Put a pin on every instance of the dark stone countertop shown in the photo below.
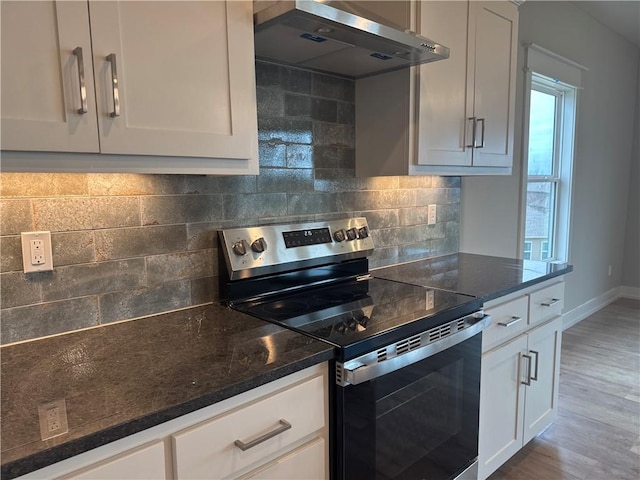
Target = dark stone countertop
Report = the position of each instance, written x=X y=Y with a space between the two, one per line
x=123 y=378
x=480 y=276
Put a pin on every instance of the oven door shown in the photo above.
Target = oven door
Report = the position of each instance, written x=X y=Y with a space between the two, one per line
x=417 y=422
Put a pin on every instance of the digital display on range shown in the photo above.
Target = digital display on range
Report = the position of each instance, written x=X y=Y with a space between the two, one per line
x=311 y=236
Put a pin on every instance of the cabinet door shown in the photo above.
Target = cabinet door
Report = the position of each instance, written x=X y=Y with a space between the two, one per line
x=185 y=78
x=501 y=406
x=41 y=89
x=541 y=405
x=445 y=91
x=495 y=72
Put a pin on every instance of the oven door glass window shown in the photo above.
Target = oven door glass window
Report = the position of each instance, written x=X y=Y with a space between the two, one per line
x=419 y=422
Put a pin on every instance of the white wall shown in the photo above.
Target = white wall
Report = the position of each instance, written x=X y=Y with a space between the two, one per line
x=604 y=141
x=631 y=265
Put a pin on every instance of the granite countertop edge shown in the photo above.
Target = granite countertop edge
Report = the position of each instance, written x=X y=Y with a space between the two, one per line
x=527 y=284
x=77 y=446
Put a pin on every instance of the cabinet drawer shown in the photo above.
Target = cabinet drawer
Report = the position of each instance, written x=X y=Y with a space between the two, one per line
x=546 y=303
x=504 y=322
x=209 y=450
x=305 y=463
x=146 y=462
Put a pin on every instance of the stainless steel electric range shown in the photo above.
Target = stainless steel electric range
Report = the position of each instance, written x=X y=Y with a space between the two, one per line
x=405 y=382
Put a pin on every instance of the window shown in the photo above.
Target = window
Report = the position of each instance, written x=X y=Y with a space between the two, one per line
x=552 y=84
x=544 y=250
x=549 y=157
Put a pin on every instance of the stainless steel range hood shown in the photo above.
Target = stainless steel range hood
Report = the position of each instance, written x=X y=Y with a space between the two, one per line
x=337 y=37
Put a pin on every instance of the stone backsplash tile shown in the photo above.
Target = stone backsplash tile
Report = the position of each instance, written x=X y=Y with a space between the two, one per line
x=85 y=213
x=181 y=266
x=176 y=209
x=93 y=279
x=128 y=245
x=71 y=248
x=11 y=254
x=111 y=244
x=30 y=185
x=18 y=289
x=15 y=216
x=23 y=323
x=130 y=184
x=145 y=301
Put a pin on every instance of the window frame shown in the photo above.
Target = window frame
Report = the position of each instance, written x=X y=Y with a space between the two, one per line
x=561 y=178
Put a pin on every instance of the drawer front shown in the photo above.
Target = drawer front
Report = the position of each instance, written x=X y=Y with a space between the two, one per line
x=147 y=462
x=546 y=303
x=507 y=321
x=305 y=463
x=210 y=450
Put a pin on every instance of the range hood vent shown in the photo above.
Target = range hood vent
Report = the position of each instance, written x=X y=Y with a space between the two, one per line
x=333 y=37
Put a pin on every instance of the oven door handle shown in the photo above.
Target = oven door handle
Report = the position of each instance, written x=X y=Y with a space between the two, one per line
x=360 y=372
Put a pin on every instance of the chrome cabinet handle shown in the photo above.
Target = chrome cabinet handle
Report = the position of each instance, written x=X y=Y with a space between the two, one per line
x=482 y=136
x=553 y=301
x=528 y=380
x=111 y=58
x=83 y=89
x=535 y=375
x=513 y=321
x=473 y=132
x=283 y=426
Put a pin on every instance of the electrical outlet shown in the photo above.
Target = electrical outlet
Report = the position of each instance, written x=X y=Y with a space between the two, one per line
x=53 y=419
x=431 y=299
x=36 y=252
x=431 y=215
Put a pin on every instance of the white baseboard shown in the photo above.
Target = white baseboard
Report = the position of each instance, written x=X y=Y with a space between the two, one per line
x=630 y=292
x=569 y=319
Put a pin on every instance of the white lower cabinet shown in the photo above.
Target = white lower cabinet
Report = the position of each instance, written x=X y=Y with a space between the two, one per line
x=251 y=436
x=147 y=462
x=276 y=431
x=305 y=463
x=519 y=380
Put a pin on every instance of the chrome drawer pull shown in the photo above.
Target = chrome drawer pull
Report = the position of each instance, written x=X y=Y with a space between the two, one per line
x=473 y=132
x=552 y=302
x=283 y=427
x=482 y=137
x=111 y=58
x=528 y=380
x=83 y=89
x=513 y=321
x=535 y=375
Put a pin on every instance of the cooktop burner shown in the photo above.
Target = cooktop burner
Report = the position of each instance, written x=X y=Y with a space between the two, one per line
x=360 y=315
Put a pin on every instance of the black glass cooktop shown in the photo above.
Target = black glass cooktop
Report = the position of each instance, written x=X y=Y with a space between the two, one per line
x=361 y=316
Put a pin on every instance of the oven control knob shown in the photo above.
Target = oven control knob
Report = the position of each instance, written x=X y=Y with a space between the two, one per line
x=239 y=248
x=363 y=232
x=259 y=245
x=352 y=234
x=339 y=235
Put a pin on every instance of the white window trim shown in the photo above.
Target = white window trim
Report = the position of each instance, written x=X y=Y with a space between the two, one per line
x=564 y=73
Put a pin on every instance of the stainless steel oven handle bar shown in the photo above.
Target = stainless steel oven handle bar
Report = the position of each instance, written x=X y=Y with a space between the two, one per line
x=363 y=373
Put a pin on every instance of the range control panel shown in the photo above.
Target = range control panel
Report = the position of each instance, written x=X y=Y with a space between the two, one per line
x=253 y=251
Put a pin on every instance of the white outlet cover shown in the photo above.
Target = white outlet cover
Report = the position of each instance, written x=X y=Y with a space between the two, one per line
x=47 y=263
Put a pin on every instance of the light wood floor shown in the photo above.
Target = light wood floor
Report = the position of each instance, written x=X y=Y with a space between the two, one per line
x=597 y=433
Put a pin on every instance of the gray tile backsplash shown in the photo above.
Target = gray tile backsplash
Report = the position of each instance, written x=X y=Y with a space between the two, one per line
x=128 y=245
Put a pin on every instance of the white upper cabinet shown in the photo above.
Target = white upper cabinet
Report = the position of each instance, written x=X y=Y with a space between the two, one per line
x=453 y=116
x=467 y=103
x=162 y=79
x=46 y=60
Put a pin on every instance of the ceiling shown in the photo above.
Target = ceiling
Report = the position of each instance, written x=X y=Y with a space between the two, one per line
x=621 y=16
